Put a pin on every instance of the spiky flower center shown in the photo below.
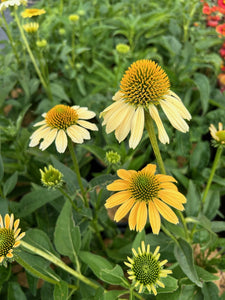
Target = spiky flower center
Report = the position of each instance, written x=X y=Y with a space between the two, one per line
x=7 y=241
x=146 y=269
x=221 y=135
x=61 y=117
x=144 y=82
x=144 y=187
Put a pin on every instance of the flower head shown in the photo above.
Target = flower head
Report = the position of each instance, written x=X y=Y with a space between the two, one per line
x=146 y=269
x=122 y=48
x=9 y=237
x=143 y=88
x=32 y=12
x=112 y=157
x=60 y=121
x=221 y=3
x=31 y=27
x=218 y=135
x=221 y=29
x=6 y=3
x=51 y=177
x=41 y=43
x=142 y=191
x=74 y=18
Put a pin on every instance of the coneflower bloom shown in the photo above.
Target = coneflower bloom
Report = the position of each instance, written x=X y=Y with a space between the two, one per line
x=142 y=192
x=32 y=12
x=7 y=3
x=60 y=121
x=146 y=270
x=31 y=27
x=144 y=87
x=9 y=236
x=218 y=135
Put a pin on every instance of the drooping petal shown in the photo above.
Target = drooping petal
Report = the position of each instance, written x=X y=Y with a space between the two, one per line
x=74 y=134
x=132 y=220
x=124 y=209
x=117 y=199
x=137 y=127
x=174 y=195
x=49 y=139
x=179 y=106
x=163 y=136
x=141 y=216
x=124 y=128
x=118 y=185
x=108 y=111
x=149 y=169
x=165 y=211
x=61 y=141
x=168 y=186
x=165 y=196
x=154 y=217
x=38 y=135
x=84 y=132
x=43 y=122
x=85 y=114
x=87 y=125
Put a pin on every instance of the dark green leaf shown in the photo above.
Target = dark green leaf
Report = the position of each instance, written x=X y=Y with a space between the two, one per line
x=210 y=291
x=1 y=168
x=205 y=275
x=193 y=200
x=61 y=291
x=212 y=204
x=203 y=86
x=10 y=183
x=113 y=276
x=59 y=92
x=15 y=292
x=218 y=226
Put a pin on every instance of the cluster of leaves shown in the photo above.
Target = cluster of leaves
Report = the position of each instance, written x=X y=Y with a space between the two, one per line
x=160 y=30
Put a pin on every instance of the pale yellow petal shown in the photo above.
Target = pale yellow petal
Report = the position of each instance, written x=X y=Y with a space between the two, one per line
x=84 y=132
x=43 y=122
x=124 y=209
x=74 y=133
x=154 y=217
x=179 y=106
x=137 y=127
x=87 y=125
x=1 y=222
x=48 y=139
x=39 y=130
x=124 y=128
x=126 y=174
x=165 y=211
x=85 y=114
x=116 y=118
x=132 y=220
x=117 y=199
x=141 y=216
x=163 y=136
x=37 y=136
x=20 y=236
x=108 y=111
x=118 y=185
x=61 y=141
x=11 y=221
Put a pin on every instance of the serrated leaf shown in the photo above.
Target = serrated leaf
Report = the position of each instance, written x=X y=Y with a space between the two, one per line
x=67 y=237
x=184 y=255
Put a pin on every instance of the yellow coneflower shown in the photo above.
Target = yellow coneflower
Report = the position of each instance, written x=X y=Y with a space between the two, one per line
x=32 y=12
x=144 y=88
x=146 y=269
x=60 y=121
x=139 y=190
x=31 y=27
x=218 y=135
x=9 y=236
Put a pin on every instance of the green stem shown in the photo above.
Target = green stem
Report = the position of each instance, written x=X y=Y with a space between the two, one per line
x=189 y=20
x=69 y=198
x=76 y=168
x=46 y=87
x=95 y=225
x=169 y=234
x=184 y=224
x=214 y=166
x=73 y=48
x=151 y=132
x=55 y=260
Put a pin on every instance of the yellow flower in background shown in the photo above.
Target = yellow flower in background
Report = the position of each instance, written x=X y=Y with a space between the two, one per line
x=143 y=88
x=7 y=3
x=218 y=135
x=122 y=48
x=142 y=192
x=60 y=121
x=146 y=269
x=9 y=236
x=74 y=18
x=31 y=27
x=32 y=12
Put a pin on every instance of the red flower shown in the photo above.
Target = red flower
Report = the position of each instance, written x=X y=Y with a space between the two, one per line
x=213 y=21
x=221 y=3
x=221 y=29
x=206 y=9
x=222 y=52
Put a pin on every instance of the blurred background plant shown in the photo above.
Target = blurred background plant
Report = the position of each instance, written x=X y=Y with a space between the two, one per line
x=75 y=54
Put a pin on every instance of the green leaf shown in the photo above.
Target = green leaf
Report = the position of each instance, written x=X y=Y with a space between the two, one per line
x=67 y=237
x=138 y=239
x=112 y=295
x=97 y=151
x=95 y=262
x=15 y=292
x=4 y=206
x=102 y=180
x=217 y=226
x=193 y=200
x=59 y=92
x=169 y=296
x=205 y=275
x=4 y=274
x=34 y=200
x=1 y=168
x=10 y=183
x=170 y=285
x=210 y=291
x=184 y=255
x=113 y=276
x=202 y=83
x=212 y=204
x=61 y=291
x=200 y=156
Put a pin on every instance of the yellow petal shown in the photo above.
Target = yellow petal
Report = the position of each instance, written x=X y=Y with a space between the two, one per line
x=16 y=224
x=61 y=141
x=9 y=255
x=124 y=209
x=168 y=186
x=118 y=185
x=132 y=220
x=1 y=222
x=172 y=198
x=165 y=178
x=11 y=221
x=117 y=199
x=149 y=169
x=75 y=134
x=48 y=139
x=124 y=128
x=85 y=114
x=1 y=259
x=163 y=136
x=165 y=211
x=154 y=217
x=16 y=233
x=7 y=221
x=20 y=236
x=141 y=216
x=125 y=174
x=17 y=243
x=137 y=127
x=87 y=125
